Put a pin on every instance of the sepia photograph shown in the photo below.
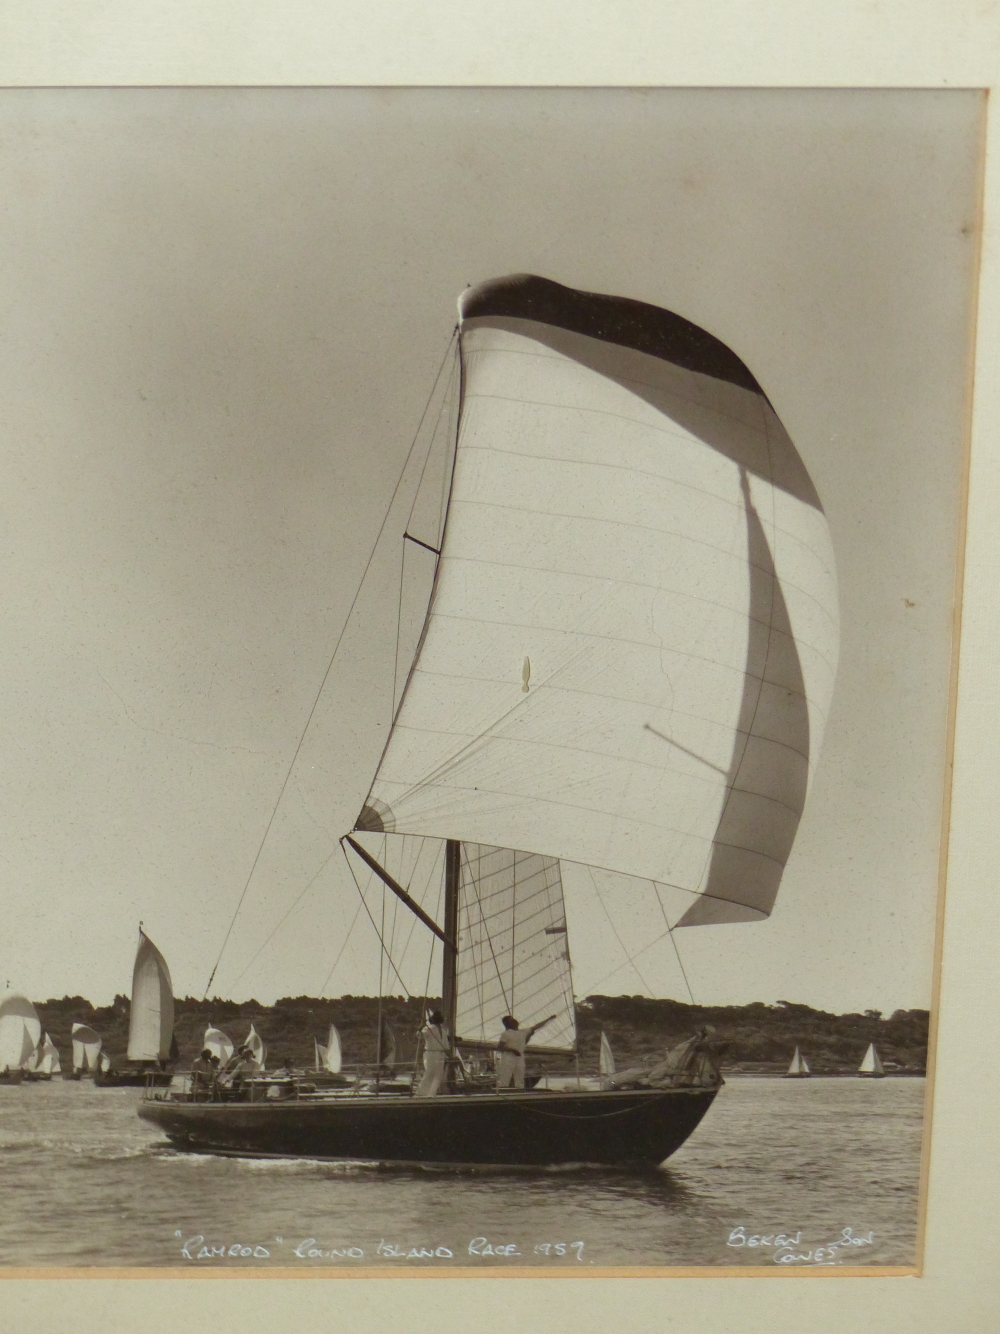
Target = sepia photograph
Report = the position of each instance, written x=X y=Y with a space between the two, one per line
x=481 y=579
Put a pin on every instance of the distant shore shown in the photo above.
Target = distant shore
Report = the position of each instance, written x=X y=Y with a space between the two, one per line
x=749 y=1039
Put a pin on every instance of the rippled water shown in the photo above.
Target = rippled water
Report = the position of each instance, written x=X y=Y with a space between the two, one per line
x=85 y=1182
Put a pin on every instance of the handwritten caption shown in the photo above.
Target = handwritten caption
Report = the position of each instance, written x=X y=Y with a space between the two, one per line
x=198 y=1247
x=787 y=1248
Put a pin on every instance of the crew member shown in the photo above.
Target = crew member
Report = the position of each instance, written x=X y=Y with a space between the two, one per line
x=435 y=1037
x=513 y=1041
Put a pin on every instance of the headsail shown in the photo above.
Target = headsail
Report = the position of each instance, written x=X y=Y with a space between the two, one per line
x=628 y=516
x=151 y=1018
x=86 y=1047
x=20 y=1031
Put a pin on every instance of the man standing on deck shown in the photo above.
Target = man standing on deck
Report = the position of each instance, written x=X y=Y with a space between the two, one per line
x=435 y=1037
x=513 y=1041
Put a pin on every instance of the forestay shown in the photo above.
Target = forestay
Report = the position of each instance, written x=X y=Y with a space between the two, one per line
x=630 y=649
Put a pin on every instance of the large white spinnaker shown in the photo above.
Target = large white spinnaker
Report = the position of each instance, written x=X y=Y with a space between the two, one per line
x=20 y=1031
x=86 y=1047
x=629 y=517
x=151 y=1018
x=218 y=1043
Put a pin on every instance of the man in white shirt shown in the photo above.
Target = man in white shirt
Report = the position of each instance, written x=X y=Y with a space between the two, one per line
x=513 y=1040
x=435 y=1037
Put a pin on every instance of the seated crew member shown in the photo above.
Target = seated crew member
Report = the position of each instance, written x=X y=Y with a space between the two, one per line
x=513 y=1040
x=202 y=1073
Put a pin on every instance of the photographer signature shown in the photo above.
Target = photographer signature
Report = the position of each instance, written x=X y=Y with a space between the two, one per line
x=788 y=1248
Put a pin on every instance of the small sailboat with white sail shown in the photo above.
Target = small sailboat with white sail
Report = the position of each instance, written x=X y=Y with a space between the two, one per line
x=20 y=1032
x=798 y=1068
x=87 y=1045
x=151 y=1045
x=625 y=666
x=329 y=1060
x=218 y=1044
x=44 y=1062
x=871 y=1066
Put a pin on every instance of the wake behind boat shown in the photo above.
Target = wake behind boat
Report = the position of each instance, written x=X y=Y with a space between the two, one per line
x=625 y=663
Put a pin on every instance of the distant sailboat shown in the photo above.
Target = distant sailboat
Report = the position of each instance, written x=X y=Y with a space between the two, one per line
x=330 y=1058
x=386 y=1046
x=20 y=1031
x=871 y=1066
x=86 y=1050
x=46 y=1060
x=799 y=1068
x=218 y=1044
x=150 y=1025
x=605 y=1062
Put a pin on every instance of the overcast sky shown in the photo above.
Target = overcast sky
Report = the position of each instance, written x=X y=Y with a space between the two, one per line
x=222 y=314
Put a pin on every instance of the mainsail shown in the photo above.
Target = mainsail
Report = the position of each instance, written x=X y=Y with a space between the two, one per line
x=20 y=1031
x=151 y=1018
x=86 y=1047
x=513 y=957
x=630 y=648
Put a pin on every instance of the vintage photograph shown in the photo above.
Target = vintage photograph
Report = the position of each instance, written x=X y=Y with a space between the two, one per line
x=477 y=652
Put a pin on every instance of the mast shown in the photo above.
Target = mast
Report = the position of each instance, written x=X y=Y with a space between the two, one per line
x=449 y=978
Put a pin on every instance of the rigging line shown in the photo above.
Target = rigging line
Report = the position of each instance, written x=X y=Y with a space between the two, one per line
x=437 y=420
x=372 y=920
x=284 y=919
x=326 y=675
x=670 y=933
x=357 y=914
x=621 y=942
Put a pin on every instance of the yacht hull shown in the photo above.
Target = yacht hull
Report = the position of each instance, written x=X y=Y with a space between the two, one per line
x=635 y=1127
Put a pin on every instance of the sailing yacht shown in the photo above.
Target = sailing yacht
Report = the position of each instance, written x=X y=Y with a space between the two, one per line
x=871 y=1066
x=20 y=1032
x=799 y=1067
x=329 y=1060
x=625 y=664
x=86 y=1051
x=151 y=1043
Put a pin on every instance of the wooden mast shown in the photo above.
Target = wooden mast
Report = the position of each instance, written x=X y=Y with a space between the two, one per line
x=449 y=979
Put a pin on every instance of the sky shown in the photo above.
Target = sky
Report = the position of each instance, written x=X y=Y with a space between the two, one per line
x=222 y=312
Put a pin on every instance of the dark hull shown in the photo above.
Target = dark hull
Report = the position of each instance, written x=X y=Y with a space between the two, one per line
x=640 y=1127
x=115 y=1079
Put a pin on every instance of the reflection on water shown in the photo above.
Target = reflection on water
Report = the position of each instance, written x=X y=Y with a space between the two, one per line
x=86 y=1182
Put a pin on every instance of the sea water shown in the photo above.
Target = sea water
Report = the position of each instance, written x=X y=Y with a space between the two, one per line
x=780 y=1173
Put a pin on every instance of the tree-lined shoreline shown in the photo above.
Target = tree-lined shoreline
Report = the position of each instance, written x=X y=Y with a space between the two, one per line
x=750 y=1038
